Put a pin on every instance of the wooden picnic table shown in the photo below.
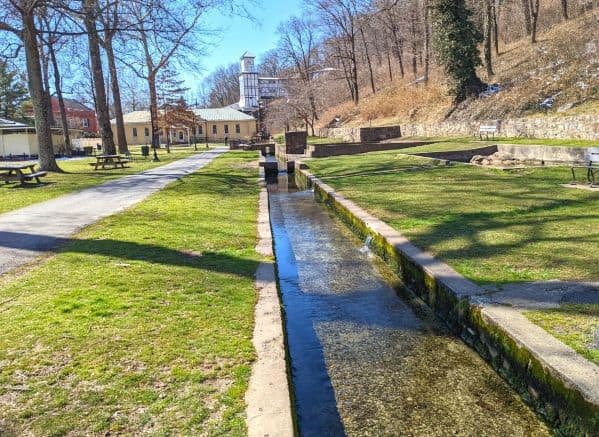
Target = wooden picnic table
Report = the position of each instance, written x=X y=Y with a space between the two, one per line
x=18 y=172
x=109 y=161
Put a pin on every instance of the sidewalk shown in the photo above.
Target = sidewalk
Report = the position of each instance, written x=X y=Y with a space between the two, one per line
x=29 y=232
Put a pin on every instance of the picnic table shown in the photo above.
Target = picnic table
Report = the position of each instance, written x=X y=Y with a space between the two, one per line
x=18 y=172
x=109 y=161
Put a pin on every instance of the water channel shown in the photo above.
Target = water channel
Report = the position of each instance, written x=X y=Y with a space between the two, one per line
x=365 y=361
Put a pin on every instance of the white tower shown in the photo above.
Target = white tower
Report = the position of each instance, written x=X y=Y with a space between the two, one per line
x=248 y=83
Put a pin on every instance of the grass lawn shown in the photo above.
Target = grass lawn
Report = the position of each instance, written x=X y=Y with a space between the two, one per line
x=79 y=175
x=143 y=323
x=575 y=325
x=493 y=227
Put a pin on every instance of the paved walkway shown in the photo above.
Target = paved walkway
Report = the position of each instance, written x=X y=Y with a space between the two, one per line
x=29 y=232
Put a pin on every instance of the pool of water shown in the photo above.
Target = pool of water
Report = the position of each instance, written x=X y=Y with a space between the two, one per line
x=362 y=361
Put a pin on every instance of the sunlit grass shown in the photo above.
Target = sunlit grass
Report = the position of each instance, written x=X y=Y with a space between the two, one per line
x=576 y=325
x=143 y=323
x=492 y=226
x=79 y=175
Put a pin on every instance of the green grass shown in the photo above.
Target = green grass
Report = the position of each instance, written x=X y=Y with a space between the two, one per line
x=143 y=323
x=493 y=227
x=78 y=175
x=575 y=325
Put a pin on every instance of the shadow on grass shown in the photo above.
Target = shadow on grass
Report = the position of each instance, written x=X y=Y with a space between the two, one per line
x=27 y=186
x=126 y=250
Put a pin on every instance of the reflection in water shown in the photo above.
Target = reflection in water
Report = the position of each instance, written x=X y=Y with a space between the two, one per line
x=362 y=363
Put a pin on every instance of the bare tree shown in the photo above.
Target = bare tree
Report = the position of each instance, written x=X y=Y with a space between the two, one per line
x=297 y=46
x=340 y=20
x=111 y=20
x=19 y=19
x=488 y=37
x=161 y=31
x=90 y=11
x=51 y=26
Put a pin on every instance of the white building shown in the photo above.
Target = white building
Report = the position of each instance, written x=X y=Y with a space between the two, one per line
x=253 y=88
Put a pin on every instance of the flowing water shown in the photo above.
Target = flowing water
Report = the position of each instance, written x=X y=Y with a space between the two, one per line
x=362 y=361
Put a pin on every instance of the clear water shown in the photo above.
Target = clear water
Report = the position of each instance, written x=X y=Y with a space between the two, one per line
x=362 y=361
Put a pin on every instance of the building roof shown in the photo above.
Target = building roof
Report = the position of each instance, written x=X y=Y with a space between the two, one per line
x=206 y=114
x=248 y=54
x=222 y=114
x=12 y=125
x=71 y=104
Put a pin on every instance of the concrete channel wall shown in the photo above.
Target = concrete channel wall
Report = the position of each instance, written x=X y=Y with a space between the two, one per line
x=558 y=383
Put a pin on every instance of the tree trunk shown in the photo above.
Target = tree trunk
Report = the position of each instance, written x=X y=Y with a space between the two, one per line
x=488 y=37
x=565 y=9
x=61 y=105
x=368 y=61
x=527 y=16
x=47 y=161
x=496 y=26
x=46 y=81
x=534 y=10
x=154 y=114
x=427 y=41
x=116 y=97
x=354 y=71
x=414 y=47
x=98 y=77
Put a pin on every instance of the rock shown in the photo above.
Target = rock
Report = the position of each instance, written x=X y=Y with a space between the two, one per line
x=485 y=162
x=564 y=108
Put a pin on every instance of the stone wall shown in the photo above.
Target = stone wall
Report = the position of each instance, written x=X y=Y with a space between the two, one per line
x=579 y=126
x=545 y=153
x=369 y=134
x=324 y=150
x=296 y=142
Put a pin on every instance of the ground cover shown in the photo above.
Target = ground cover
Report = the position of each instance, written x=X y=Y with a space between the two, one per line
x=577 y=325
x=143 y=323
x=78 y=174
x=493 y=227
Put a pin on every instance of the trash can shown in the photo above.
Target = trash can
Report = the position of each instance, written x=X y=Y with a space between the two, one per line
x=145 y=151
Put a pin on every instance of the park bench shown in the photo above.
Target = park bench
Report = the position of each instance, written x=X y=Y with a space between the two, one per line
x=14 y=173
x=591 y=167
x=486 y=129
x=109 y=161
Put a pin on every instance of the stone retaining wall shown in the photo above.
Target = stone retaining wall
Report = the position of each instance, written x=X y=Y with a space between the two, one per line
x=325 y=150
x=545 y=153
x=559 y=384
x=579 y=126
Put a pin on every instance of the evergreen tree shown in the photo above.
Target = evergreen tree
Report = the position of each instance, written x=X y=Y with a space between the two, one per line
x=13 y=93
x=456 y=39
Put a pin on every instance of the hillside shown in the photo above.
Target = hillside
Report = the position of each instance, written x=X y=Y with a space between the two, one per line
x=563 y=66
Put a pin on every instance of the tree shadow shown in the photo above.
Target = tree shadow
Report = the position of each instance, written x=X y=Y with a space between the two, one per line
x=155 y=254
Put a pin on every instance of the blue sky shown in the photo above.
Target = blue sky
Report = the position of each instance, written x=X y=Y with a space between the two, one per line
x=240 y=34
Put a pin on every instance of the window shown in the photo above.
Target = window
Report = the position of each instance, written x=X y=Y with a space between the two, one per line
x=200 y=130
x=85 y=122
x=214 y=129
x=146 y=132
x=181 y=136
x=226 y=128
x=237 y=128
x=134 y=131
